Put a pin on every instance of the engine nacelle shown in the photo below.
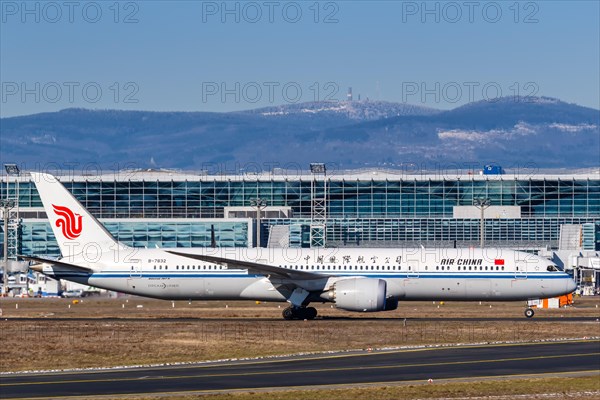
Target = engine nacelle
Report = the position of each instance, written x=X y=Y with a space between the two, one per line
x=362 y=294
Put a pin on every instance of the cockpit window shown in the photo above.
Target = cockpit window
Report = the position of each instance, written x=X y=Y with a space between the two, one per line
x=551 y=268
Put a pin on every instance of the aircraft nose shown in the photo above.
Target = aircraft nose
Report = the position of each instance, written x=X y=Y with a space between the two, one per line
x=571 y=285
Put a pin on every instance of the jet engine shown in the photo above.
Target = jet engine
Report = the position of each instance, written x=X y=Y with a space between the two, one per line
x=362 y=294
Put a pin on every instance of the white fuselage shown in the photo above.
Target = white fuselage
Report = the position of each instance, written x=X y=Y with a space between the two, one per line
x=410 y=274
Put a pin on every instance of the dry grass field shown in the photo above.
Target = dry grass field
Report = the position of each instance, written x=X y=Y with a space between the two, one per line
x=581 y=388
x=137 y=307
x=133 y=331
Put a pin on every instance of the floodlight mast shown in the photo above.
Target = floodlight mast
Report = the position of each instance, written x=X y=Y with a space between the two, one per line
x=260 y=205
x=482 y=204
x=318 y=205
x=6 y=205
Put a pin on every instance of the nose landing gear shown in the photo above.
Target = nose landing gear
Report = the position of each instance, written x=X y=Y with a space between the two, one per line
x=299 y=313
x=529 y=312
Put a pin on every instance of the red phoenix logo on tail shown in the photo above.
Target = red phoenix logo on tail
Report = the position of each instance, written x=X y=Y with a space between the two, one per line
x=68 y=221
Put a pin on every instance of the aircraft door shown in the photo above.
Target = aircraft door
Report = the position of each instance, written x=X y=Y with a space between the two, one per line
x=413 y=270
x=521 y=269
x=135 y=269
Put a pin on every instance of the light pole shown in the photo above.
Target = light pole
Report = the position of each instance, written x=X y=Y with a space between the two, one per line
x=6 y=206
x=318 y=206
x=482 y=204
x=260 y=205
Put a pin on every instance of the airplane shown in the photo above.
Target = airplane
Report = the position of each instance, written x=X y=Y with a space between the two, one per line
x=354 y=279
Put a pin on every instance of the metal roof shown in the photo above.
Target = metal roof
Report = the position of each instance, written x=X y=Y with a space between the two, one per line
x=334 y=175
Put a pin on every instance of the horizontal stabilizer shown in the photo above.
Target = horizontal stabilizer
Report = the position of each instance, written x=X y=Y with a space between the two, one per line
x=73 y=267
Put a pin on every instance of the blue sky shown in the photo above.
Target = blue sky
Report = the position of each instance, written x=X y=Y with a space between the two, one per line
x=216 y=56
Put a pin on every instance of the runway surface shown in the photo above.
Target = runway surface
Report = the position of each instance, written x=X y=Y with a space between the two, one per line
x=312 y=371
x=278 y=319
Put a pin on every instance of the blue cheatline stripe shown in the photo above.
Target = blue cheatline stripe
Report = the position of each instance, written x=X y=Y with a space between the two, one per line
x=103 y=275
x=395 y=275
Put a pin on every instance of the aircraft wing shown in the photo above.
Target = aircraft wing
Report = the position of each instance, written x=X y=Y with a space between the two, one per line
x=68 y=266
x=255 y=268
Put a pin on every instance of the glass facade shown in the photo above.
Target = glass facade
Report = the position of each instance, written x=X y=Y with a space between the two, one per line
x=368 y=208
x=37 y=237
x=346 y=198
x=522 y=233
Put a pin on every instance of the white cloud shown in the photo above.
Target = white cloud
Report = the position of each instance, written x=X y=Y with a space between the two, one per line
x=463 y=135
x=520 y=129
x=573 y=128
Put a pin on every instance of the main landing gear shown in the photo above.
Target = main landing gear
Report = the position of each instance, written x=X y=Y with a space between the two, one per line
x=529 y=312
x=299 y=313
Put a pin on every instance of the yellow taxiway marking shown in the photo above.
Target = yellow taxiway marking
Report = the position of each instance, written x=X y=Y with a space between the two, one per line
x=209 y=364
x=301 y=371
x=331 y=386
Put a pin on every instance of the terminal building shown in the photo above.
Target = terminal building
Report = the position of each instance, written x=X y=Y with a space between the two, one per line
x=555 y=213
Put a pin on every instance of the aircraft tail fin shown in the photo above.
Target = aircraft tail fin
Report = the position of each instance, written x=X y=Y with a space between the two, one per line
x=77 y=231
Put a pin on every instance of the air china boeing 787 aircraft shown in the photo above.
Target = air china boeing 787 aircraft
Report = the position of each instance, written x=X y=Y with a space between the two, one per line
x=355 y=279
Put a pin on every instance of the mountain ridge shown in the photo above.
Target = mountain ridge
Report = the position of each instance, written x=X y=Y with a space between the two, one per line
x=542 y=131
